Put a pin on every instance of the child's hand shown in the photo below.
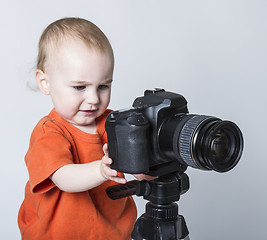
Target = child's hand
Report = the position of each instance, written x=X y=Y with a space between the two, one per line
x=105 y=169
x=141 y=177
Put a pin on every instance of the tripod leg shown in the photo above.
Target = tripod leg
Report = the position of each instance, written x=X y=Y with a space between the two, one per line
x=136 y=234
x=187 y=238
x=159 y=229
x=182 y=227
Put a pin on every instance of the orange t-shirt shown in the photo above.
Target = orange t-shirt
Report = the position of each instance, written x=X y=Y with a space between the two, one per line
x=49 y=213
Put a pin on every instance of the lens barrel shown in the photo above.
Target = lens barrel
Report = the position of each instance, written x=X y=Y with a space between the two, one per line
x=203 y=142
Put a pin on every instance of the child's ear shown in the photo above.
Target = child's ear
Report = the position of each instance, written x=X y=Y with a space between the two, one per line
x=42 y=81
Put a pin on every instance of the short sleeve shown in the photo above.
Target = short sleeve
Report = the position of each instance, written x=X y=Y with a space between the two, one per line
x=49 y=150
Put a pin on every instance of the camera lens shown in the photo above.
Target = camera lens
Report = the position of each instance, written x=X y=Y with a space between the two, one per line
x=200 y=141
x=210 y=143
x=220 y=147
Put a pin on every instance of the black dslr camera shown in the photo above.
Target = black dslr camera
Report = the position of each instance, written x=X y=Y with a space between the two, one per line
x=158 y=136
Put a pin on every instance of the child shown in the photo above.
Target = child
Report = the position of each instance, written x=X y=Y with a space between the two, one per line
x=67 y=163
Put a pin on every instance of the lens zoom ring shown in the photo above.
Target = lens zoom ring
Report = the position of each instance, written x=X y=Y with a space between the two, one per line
x=186 y=139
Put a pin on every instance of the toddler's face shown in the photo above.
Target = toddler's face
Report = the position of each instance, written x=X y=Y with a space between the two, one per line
x=79 y=82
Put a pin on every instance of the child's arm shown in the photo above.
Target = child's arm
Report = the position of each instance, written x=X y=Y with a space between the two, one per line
x=82 y=177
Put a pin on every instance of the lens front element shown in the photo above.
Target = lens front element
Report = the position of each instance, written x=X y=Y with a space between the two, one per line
x=220 y=147
x=209 y=143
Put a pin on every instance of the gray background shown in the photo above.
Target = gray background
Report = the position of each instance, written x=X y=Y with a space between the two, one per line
x=211 y=51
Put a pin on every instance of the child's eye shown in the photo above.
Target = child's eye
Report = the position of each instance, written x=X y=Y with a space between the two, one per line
x=103 y=87
x=79 y=88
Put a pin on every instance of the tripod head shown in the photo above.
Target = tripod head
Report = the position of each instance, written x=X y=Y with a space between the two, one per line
x=161 y=220
x=163 y=190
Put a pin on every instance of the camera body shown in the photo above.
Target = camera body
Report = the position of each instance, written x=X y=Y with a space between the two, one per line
x=132 y=134
x=157 y=136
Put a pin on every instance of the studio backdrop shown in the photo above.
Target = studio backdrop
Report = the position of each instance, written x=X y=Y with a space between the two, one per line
x=213 y=52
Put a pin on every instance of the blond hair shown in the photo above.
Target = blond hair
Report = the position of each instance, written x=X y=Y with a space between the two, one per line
x=79 y=28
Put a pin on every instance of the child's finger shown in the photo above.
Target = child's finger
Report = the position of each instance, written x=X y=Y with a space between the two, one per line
x=113 y=173
x=118 y=180
x=141 y=177
x=105 y=149
x=106 y=160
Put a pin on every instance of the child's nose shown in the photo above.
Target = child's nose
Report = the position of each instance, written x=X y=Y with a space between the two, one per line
x=92 y=97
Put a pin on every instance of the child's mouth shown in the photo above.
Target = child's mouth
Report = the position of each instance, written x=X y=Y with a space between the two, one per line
x=88 y=112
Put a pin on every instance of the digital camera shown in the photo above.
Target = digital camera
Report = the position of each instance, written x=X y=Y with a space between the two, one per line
x=158 y=136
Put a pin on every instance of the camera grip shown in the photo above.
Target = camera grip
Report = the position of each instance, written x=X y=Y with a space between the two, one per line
x=128 y=142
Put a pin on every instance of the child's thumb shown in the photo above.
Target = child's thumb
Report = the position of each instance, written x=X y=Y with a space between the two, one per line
x=105 y=149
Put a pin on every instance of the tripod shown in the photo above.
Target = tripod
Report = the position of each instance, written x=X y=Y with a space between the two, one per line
x=161 y=220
